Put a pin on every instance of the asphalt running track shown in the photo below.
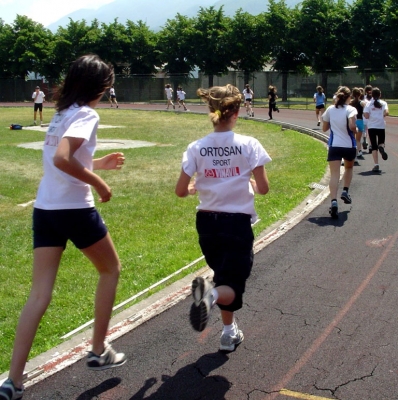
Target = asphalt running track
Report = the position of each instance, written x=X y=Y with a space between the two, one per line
x=319 y=317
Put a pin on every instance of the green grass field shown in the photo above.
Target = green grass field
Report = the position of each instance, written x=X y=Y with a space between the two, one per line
x=153 y=230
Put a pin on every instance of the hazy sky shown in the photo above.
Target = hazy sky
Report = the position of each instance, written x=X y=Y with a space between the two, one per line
x=44 y=11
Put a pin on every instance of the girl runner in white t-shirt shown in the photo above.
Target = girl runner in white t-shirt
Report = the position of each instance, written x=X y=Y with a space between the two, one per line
x=181 y=98
x=224 y=163
x=248 y=96
x=64 y=210
x=340 y=119
x=169 y=94
x=375 y=111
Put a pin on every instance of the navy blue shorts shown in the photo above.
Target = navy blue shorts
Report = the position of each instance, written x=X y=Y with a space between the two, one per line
x=338 y=153
x=53 y=228
x=226 y=240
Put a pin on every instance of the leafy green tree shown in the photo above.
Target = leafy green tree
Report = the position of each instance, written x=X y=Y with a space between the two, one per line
x=249 y=42
x=391 y=35
x=6 y=44
x=112 y=40
x=286 y=48
x=322 y=29
x=140 y=48
x=71 y=42
x=28 y=43
x=175 y=47
x=210 y=35
x=368 y=35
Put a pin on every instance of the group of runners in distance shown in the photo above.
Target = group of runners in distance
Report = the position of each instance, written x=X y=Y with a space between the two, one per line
x=248 y=97
x=352 y=117
x=180 y=97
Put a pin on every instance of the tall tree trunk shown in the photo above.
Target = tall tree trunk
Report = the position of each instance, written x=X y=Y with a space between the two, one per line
x=324 y=82
x=284 y=85
x=246 y=77
x=211 y=80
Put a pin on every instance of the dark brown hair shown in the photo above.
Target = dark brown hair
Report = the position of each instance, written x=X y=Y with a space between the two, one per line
x=88 y=77
x=342 y=95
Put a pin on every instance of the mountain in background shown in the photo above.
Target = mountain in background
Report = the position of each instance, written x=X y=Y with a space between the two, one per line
x=155 y=13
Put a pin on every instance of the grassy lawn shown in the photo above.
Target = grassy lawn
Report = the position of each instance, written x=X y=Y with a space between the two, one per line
x=153 y=230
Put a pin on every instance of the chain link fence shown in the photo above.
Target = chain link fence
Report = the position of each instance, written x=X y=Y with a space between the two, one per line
x=293 y=88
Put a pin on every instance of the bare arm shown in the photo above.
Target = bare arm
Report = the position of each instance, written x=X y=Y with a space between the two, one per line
x=352 y=123
x=326 y=126
x=184 y=186
x=64 y=160
x=110 y=161
x=260 y=182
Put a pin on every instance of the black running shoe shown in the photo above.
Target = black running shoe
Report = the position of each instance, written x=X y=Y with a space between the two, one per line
x=346 y=197
x=383 y=153
x=334 y=210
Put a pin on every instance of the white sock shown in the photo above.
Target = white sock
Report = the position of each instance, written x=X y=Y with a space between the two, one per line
x=215 y=296
x=230 y=329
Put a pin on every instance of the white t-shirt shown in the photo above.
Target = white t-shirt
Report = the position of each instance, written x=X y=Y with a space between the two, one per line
x=247 y=95
x=112 y=91
x=169 y=93
x=181 y=94
x=376 y=115
x=340 y=134
x=223 y=162
x=59 y=190
x=38 y=96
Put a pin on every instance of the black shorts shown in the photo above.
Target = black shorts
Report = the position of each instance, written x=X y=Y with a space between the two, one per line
x=320 y=106
x=53 y=228
x=248 y=100
x=376 y=137
x=226 y=240
x=338 y=153
x=38 y=106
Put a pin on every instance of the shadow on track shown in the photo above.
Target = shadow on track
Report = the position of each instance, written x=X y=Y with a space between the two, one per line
x=190 y=382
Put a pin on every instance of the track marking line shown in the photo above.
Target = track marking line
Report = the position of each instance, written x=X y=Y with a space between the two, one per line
x=328 y=330
x=298 y=395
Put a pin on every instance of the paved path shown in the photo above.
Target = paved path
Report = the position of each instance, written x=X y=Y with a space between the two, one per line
x=319 y=316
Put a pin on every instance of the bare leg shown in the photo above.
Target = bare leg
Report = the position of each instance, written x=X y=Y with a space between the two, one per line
x=375 y=155
x=104 y=257
x=348 y=171
x=45 y=267
x=358 y=137
x=226 y=295
x=334 y=167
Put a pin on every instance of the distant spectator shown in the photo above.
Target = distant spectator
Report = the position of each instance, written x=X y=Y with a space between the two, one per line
x=38 y=98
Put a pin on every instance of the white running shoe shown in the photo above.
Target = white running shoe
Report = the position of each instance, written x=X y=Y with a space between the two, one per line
x=229 y=342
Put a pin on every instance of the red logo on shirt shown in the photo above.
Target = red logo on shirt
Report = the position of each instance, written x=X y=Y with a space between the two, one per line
x=222 y=173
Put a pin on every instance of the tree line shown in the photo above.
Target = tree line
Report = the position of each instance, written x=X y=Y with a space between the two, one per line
x=316 y=36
